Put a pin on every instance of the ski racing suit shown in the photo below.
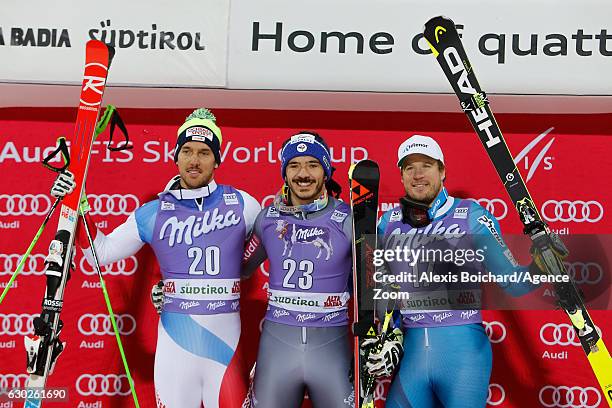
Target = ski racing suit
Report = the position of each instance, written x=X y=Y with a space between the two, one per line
x=198 y=238
x=447 y=355
x=304 y=343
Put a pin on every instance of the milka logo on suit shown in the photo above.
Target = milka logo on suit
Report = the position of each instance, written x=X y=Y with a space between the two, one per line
x=293 y=234
x=193 y=227
x=416 y=238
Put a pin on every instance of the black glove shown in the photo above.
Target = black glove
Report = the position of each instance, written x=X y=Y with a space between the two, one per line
x=552 y=241
x=387 y=353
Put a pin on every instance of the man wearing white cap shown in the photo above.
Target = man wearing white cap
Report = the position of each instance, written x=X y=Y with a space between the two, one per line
x=447 y=356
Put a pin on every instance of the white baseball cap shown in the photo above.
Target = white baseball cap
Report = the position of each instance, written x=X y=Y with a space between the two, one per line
x=419 y=144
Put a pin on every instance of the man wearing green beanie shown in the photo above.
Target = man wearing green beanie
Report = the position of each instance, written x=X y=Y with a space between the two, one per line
x=197 y=230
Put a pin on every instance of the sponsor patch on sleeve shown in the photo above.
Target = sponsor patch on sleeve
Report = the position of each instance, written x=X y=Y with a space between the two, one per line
x=230 y=199
x=165 y=205
x=338 y=216
x=395 y=216
x=461 y=213
x=272 y=212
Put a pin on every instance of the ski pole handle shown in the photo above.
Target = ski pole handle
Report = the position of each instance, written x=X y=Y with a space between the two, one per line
x=61 y=148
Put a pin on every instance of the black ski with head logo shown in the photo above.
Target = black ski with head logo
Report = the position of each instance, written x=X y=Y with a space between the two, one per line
x=446 y=45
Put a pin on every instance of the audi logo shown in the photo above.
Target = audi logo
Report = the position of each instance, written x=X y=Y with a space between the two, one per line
x=496 y=331
x=380 y=389
x=569 y=397
x=562 y=334
x=26 y=204
x=495 y=206
x=585 y=272
x=558 y=334
x=13 y=324
x=496 y=398
x=124 y=267
x=113 y=204
x=100 y=385
x=11 y=381
x=34 y=265
x=572 y=211
x=100 y=324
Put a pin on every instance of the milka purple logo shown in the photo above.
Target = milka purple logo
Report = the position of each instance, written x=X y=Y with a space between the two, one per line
x=438 y=318
x=193 y=227
x=468 y=314
x=278 y=313
x=417 y=238
x=331 y=316
x=302 y=317
x=215 y=305
x=293 y=234
x=189 y=305
x=417 y=318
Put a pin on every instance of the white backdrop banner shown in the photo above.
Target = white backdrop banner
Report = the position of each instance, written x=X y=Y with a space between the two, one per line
x=516 y=47
x=157 y=42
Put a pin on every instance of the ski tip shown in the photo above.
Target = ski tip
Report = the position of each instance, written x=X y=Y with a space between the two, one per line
x=96 y=46
x=438 y=20
x=434 y=31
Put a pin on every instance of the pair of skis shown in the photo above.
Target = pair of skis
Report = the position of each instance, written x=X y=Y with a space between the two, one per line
x=44 y=346
x=448 y=50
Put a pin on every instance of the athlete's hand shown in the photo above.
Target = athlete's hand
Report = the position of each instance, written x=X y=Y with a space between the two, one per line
x=64 y=184
x=157 y=296
x=385 y=357
x=553 y=242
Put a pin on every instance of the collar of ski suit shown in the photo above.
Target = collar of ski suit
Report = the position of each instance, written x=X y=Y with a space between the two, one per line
x=281 y=202
x=442 y=204
x=174 y=187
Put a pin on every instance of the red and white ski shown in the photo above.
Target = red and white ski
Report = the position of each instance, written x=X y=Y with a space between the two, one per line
x=44 y=346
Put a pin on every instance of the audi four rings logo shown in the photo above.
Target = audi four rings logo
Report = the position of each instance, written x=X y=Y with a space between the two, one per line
x=8 y=381
x=100 y=385
x=495 y=206
x=590 y=273
x=572 y=211
x=379 y=390
x=562 y=334
x=100 y=324
x=14 y=324
x=124 y=267
x=34 y=265
x=569 y=397
x=24 y=204
x=496 y=331
x=112 y=204
x=496 y=397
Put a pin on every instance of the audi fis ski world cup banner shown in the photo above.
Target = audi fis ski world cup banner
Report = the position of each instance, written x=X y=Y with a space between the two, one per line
x=537 y=358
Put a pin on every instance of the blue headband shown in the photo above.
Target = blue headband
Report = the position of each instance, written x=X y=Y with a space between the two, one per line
x=305 y=144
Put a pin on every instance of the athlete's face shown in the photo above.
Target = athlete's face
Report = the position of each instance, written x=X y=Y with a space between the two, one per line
x=422 y=177
x=305 y=178
x=196 y=164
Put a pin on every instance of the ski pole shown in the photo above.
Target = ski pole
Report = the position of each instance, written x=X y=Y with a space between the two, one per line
x=27 y=253
x=110 y=308
x=63 y=149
